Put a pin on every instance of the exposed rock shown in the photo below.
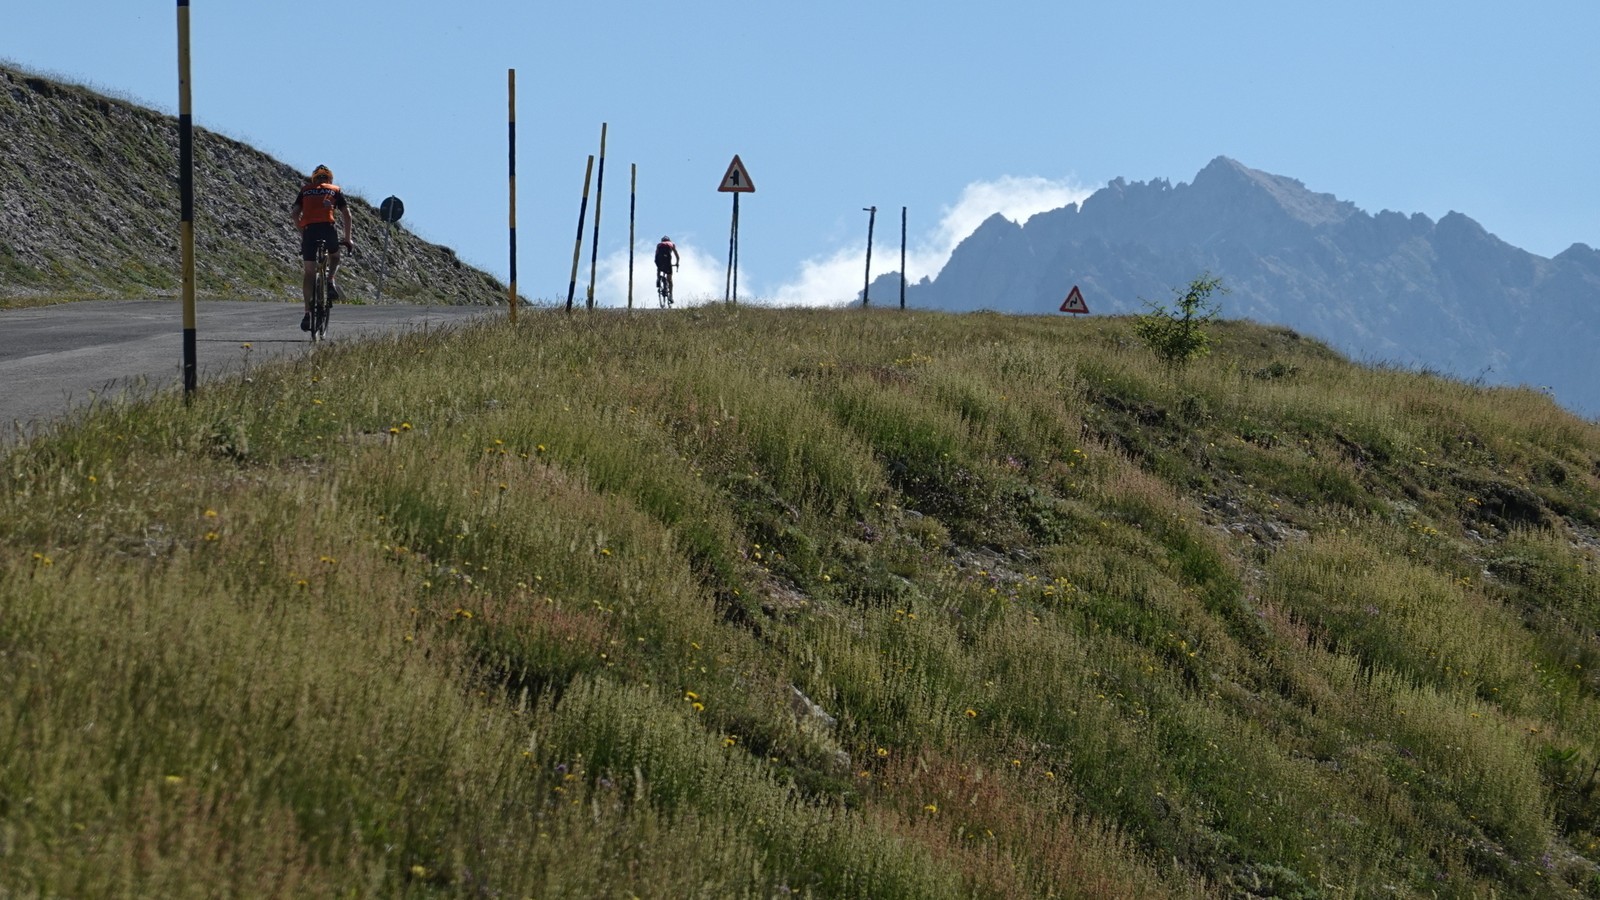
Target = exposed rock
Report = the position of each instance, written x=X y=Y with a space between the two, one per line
x=89 y=206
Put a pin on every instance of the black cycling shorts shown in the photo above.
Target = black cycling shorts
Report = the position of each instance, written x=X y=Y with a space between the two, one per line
x=315 y=234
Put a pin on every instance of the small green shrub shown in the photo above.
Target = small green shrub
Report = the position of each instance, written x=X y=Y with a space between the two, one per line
x=1179 y=335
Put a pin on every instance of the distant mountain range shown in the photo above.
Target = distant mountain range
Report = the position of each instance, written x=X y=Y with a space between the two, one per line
x=1446 y=296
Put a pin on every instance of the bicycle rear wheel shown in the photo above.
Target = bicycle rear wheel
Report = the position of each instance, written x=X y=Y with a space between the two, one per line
x=319 y=298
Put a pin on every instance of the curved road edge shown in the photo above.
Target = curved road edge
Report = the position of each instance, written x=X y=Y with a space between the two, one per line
x=55 y=360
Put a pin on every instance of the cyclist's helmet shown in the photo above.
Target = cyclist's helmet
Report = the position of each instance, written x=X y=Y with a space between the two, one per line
x=321 y=173
x=665 y=239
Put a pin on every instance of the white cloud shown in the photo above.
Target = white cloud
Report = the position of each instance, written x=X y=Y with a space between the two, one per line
x=838 y=277
x=1014 y=197
x=830 y=281
x=700 y=278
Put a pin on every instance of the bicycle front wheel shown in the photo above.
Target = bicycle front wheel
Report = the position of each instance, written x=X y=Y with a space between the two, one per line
x=319 y=298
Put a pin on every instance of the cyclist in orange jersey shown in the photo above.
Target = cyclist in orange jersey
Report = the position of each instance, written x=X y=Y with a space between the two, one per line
x=315 y=210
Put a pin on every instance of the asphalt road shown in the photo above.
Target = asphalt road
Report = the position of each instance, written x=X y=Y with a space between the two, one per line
x=55 y=359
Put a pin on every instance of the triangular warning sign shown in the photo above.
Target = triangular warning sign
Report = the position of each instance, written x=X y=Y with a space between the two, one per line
x=737 y=180
x=1074 y=302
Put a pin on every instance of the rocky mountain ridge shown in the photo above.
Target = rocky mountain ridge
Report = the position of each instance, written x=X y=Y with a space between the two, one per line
x=1387 y=288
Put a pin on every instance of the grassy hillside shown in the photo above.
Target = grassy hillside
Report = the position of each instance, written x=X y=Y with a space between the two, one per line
x=89 y=208
x=756 y=603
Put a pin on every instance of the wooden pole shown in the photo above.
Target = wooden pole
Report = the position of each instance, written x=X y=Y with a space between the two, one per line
x=902 y=257
x=872 y=218
x=577 y=245
x=633 y=202
x=599 y=186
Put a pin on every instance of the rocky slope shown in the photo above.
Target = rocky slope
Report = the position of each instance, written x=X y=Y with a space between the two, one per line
x=89 y=207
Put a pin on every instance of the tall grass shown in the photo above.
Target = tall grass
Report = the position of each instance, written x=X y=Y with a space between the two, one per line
x=752 y=603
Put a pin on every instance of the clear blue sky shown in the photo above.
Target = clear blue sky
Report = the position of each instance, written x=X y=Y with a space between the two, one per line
x=953 y=110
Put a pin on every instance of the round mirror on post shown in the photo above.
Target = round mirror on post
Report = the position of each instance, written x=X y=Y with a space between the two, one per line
x=390 y=212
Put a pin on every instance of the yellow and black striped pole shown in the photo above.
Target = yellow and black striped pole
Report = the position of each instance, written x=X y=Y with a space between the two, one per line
x=577 y=245
x=511 y=97
x=186 y=200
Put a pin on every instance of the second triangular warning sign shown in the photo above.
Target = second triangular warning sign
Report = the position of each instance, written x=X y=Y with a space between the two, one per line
x=737 y=180
x=1074 y=302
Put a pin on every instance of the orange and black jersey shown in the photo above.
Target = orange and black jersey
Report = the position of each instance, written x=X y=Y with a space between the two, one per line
x=317 y=203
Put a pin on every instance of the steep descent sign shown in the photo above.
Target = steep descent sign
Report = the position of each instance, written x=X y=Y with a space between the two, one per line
x=1074 y=302
x=737 y=180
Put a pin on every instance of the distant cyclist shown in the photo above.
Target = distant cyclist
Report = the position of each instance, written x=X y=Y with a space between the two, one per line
x=667 y=259
x=320 y=202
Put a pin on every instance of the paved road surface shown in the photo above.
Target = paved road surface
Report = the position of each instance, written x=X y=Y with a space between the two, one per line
x=56 y=358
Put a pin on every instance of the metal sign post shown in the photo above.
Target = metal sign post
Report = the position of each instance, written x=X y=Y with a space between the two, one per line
x=390 y=212
x=735 y=181
x=730 y=287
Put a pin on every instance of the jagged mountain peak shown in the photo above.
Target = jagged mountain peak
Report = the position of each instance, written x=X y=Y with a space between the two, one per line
x=1581 y=256
x=1448 y=296
x=1453 y=219
x=1291 y=195
x=997 y=222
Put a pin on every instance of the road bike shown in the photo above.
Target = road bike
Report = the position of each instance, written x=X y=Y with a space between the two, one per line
x=322 y=291
x=320 y=304
x=663 y=289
